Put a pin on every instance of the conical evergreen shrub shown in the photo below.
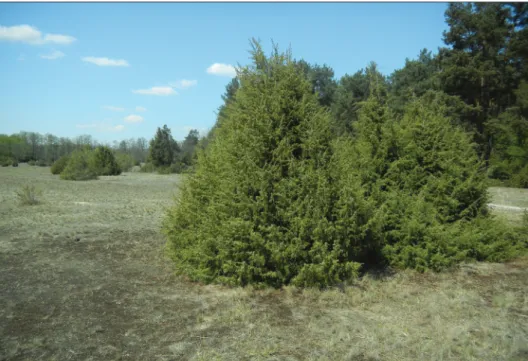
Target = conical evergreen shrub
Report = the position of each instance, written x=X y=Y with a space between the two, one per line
x=425 y=185
x=261 y=207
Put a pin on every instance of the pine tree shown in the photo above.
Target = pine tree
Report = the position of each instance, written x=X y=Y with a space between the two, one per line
x=163 y=148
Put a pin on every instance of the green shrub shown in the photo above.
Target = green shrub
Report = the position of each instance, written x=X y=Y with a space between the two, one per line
x=173 y=168
x=148 y=168
x=261 y=207
x=277 y=200
x=426 y=188
x=79 y=167
x=520 y=180
x=58 y=166
x=125 y=161
x=104 y=162
x=6 y=162
x=41 y=163
x=28 y=195
x=31 y=162
x=164 y=170
x=15 y=163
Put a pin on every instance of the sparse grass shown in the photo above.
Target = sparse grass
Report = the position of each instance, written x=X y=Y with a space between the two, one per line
x=28 y=195
x=112 y=294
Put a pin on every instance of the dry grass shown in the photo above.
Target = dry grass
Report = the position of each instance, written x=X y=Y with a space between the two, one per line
x=28 y=195
x=516 y=197
x=84 y=278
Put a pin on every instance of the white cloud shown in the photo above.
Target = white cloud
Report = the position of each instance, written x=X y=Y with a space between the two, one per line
x=31 y=35
x=59 y=39
x=53 y=55
x=102 y=127
x=184 y=83
x=222 y=70
x=114 y=109
x=133 y=118
x=140 y=109
x=156 y=90
x=105 y=61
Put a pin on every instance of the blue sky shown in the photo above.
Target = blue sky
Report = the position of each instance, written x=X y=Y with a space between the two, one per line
x=119 y=70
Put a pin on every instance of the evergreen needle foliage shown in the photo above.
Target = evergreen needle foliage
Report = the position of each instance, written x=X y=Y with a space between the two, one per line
x=278 y=199
x=80 y=166
x=58 y=166
x=260 y=208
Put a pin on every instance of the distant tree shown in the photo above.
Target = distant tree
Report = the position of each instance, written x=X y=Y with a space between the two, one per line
x=104 y=162
x=163 y=148
x=351 y=92
x=413 y=80
x=188 y=148
x=322 y=80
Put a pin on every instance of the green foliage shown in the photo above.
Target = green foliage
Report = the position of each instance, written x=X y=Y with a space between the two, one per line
x=260 y=207
x=28 y=195
x=104 y=162
x=31 y=162
x=5 y=161
x=58 y=166
x=413 y=80
x=79 y=167
x=350 y=93
x=125 y=161
x=322 y=80
x=188 y=149
x=425 y=188
x=147 y=168
x=163 y=148
x=15 y=163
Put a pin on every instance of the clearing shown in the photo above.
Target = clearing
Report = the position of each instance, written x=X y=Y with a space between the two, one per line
x=83 y=277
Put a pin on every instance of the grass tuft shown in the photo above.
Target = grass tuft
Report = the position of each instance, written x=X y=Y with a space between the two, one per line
x=28 y=195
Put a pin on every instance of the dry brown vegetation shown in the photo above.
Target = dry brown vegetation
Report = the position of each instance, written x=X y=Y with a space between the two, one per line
x=84 y=277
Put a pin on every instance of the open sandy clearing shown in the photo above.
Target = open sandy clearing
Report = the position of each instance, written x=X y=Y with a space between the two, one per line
x=89 y=282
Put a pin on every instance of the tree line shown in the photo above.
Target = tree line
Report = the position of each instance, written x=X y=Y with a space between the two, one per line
x=46 y=149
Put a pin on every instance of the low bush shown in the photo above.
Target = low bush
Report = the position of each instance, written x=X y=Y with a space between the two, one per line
x=148 y=168
x=103 y=162
x=520 y=180
x=31 y=162
x=6 y=161
x=28 y=195
x=79 y=167
x=15 y=163
x=58 y=166
x=125 y=161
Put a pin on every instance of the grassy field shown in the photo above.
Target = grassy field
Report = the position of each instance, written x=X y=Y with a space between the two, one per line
x=83 y=277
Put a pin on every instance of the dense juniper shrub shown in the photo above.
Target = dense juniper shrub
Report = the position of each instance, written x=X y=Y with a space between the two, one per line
x=104 y=162
x=261 y=205
x=58 y=166
x=80 y=166
x=428 y=187
x=276 y=199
